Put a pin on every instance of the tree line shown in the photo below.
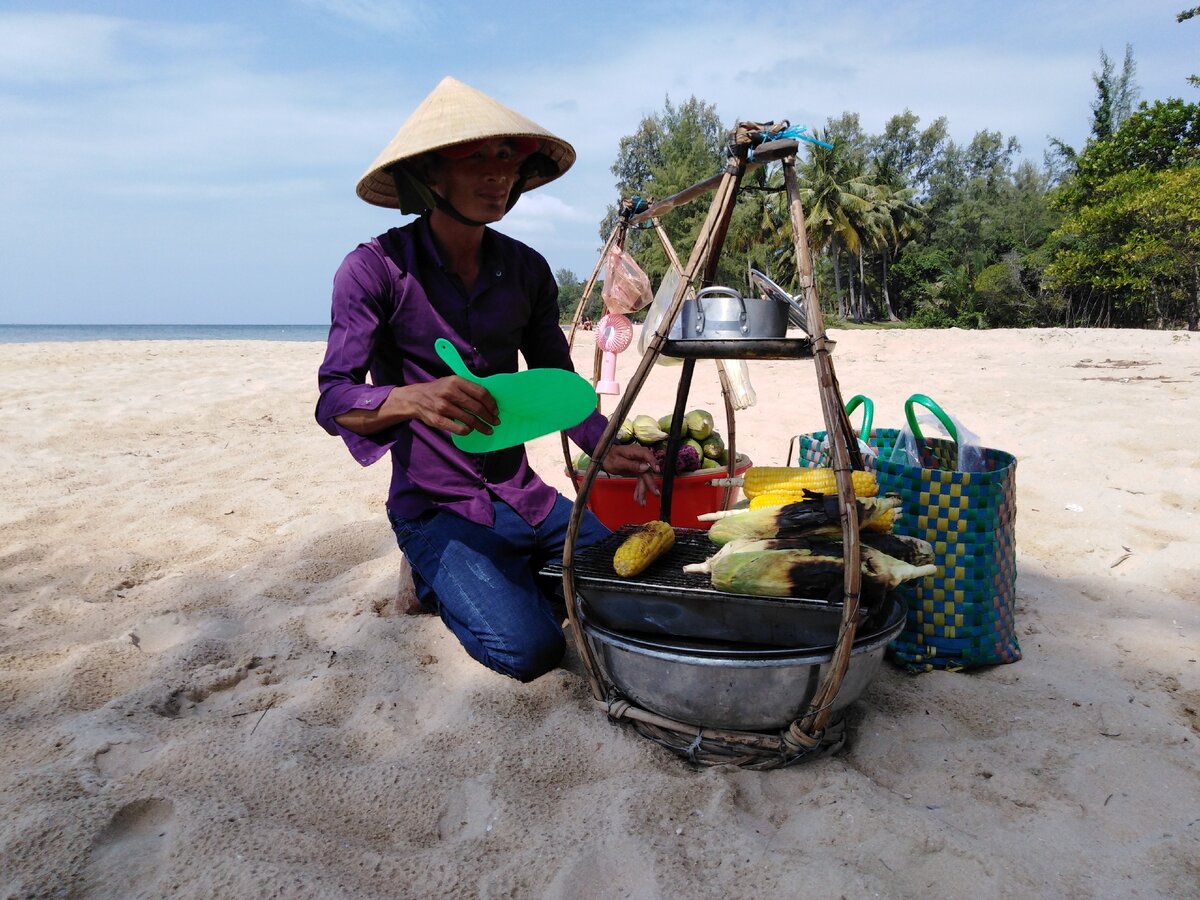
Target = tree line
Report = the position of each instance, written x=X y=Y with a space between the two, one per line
x=909 y=225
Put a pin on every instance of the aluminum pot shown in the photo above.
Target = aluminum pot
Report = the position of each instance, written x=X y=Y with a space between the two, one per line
x=723 y=687
x=721 y=313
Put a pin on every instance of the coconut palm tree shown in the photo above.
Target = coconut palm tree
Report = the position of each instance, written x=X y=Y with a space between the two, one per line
x=838 y=201
x=900 y=219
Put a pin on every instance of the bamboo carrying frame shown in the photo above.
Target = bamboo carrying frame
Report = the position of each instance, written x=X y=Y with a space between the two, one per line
x=813 y=733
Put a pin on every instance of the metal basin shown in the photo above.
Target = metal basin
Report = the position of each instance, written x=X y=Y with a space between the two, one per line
x=721 y=686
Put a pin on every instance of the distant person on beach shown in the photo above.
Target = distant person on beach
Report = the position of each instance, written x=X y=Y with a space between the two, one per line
x=476 y=528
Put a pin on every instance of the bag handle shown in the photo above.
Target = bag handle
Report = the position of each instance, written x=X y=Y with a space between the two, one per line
x=868 y=406
x=922 y=400
x=852 y=404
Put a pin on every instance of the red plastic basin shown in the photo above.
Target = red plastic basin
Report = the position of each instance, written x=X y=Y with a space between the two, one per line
x=692 y=494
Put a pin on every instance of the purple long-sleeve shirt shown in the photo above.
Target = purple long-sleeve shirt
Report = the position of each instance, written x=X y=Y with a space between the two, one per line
x=392 y=298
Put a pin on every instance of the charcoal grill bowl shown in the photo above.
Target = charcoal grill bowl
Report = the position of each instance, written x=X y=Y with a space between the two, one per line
x=725 y=686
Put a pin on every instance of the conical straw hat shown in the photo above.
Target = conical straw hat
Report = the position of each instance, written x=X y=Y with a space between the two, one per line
x=455 y=113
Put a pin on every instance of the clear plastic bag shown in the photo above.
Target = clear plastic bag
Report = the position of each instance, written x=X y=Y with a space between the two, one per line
x=662 y=302
x=907 y=450
x=737 y=375
x=626 y=287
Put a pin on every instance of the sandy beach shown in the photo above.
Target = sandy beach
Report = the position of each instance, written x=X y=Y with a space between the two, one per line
x=206 y=689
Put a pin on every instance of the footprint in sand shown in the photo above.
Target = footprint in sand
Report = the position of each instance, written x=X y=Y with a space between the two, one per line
x=129 y=849
x=210 y=681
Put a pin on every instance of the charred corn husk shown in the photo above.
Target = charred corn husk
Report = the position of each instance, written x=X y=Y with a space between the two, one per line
x=744 y=545
x=889 y=572
x=801 y=572
x=759 y=480
x=776 y=573
x=815 y=511
x=911 y=550
x=826 y=541
x=642 y=547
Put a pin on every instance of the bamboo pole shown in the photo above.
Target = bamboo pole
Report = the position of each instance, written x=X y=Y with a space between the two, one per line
x=720 y=209
x=658 y=208
x=579 y=308
x=591 y=283
x=839 y=432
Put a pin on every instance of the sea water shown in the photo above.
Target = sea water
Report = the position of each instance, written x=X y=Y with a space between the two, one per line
x=25 y=334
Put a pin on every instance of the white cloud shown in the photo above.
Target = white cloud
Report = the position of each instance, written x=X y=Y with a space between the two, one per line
x=91 y=50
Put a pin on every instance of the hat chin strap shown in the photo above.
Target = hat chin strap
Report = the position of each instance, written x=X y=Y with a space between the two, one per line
x=415 y=196
x=444 y=205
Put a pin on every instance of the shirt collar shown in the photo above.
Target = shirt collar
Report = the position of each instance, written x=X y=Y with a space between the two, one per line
x=492 y=263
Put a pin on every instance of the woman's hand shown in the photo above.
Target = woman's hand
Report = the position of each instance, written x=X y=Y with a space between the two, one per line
x=633 y=460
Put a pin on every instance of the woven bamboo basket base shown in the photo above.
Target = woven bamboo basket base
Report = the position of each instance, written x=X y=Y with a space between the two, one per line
x=748 y=750
x=704 y=751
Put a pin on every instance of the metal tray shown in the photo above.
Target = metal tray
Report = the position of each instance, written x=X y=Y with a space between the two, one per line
x=665 y=600
x=743 y=348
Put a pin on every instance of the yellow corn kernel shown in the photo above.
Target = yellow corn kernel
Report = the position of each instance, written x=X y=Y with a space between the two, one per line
x=774 y=498
x=787 y=480
x=882 y=522
x=642 y=547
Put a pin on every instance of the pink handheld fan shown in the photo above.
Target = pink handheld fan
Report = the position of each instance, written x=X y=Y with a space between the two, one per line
x=614 y=332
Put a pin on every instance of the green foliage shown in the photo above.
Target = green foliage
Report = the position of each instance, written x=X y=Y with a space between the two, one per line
x=1114 y=95
x=1125 y=252
x=670 y=151
x=1163 y=135
x=910 y=225
x=570 y=289
x=1130 y=256
x=1194 y=80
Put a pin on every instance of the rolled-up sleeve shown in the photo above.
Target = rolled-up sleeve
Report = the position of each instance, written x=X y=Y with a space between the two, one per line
x=360 y=290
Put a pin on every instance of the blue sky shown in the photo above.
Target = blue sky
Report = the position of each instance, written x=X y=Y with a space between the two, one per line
x=195 y=162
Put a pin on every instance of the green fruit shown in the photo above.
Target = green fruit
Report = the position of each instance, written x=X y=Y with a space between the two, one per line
x=699 y=424
x=646 y=431
x=665 y=424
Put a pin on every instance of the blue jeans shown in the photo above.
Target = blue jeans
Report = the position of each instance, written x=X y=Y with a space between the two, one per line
x=483 y=581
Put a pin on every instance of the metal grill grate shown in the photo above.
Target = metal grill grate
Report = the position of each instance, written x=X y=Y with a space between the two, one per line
x=593 y=567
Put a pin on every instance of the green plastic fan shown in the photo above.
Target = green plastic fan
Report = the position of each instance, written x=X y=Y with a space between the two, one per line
x=531 y=403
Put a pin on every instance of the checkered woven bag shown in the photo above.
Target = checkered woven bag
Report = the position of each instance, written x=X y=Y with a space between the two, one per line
x=963 y=616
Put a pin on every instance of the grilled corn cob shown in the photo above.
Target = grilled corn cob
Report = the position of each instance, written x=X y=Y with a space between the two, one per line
x=776 y=573
x=911 y=550
x=760 y=480
x=826 y=542
x=803 y=573
x=881 y=521
x=888 y=572
x=642 y=547
x=814 y=511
